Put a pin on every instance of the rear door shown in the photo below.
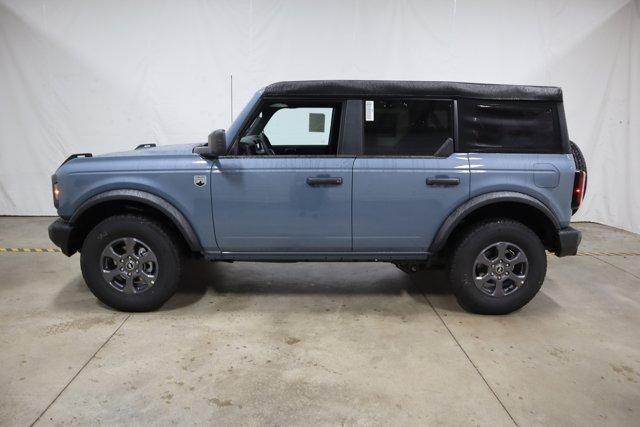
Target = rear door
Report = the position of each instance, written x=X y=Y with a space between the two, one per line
x=284 y=189
x=402 y=192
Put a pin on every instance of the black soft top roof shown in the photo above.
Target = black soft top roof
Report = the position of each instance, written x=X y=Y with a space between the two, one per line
x=413 y=88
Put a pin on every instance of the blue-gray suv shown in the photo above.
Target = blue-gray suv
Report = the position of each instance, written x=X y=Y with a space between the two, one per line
x=479 y=178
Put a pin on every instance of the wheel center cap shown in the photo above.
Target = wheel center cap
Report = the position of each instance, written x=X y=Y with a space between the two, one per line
x=129 y=265
x=499 y=269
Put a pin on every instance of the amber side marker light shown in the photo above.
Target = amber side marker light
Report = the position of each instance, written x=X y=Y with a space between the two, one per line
x=56 y=194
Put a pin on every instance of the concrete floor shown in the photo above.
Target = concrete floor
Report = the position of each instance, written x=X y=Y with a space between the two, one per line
x=319 y=344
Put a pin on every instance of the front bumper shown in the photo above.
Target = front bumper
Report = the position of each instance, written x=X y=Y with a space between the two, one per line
x=568 y=241
x=62 y=234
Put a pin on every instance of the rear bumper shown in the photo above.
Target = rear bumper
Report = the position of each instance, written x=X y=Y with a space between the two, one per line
x=568 y=241
x=61 y=234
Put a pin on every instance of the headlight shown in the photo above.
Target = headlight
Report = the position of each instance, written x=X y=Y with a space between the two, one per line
x=56 y=194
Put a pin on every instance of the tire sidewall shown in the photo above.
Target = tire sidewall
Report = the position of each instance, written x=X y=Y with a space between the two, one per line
x=578 y=157
x=580 y=163
x=462 y=275
x=158 y=241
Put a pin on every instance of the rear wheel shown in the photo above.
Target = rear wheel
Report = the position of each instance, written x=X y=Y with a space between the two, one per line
x=497 y=267
x=131 y=263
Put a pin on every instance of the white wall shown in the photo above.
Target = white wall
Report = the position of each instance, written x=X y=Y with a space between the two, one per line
x=98 y=76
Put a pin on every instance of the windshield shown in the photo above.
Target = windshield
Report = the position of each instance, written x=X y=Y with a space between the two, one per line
x=235 y=126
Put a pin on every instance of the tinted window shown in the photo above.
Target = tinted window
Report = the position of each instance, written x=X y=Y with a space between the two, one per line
x=508 y=127
x=406 y=127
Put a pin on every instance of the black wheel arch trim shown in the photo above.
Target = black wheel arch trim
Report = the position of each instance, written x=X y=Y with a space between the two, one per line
x=149 y=199
x=462 y=211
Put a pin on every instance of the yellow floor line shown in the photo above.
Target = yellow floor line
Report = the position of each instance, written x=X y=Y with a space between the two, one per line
x=29 y=250
x=593 y=253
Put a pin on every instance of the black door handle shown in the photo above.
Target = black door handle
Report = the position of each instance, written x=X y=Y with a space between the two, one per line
x=316 y=181
x=445 y=181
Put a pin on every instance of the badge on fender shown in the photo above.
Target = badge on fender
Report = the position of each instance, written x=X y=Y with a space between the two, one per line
x=200 y=180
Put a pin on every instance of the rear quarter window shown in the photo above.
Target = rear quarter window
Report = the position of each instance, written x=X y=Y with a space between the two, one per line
x=508 y=127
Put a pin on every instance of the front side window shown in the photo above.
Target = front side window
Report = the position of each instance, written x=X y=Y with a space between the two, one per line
x=294 y=128
x=508 y=127
x=406 y=127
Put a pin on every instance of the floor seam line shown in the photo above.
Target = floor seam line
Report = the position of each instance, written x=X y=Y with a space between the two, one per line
x=615 y=266
x=79 y=371
x=469 y=359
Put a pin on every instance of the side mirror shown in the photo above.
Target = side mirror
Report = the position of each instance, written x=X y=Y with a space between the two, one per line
x=216 y=145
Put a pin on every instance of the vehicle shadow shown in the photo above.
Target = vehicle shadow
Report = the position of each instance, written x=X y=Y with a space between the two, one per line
x=301 y=279
x=317 y=280
x=293 y=278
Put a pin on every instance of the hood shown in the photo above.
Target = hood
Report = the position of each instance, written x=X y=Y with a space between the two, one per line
x=167 y=157
x=165 y=150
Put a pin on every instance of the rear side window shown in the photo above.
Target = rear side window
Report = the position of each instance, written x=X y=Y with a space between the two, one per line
x=508 y=127
x=406 y=127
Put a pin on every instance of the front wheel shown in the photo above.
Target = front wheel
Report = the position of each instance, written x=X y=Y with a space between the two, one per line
x=497 y=267
x=131 y=263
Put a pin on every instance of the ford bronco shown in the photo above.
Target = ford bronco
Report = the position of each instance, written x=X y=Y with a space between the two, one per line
x=480 y=178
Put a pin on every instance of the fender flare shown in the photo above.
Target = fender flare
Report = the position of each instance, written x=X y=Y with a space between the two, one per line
x=149 y=199
x=468 y=207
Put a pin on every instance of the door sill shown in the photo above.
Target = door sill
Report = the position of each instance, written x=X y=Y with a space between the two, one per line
x=317 y=256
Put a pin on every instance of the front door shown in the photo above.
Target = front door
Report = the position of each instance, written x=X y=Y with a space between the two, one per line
x=403 y=188
x=284 y=189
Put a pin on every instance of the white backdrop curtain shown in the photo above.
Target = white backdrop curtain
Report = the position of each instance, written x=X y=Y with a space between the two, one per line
x=100 y=76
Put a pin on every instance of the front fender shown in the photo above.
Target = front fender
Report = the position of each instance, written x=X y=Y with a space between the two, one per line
x=170 y=178
x=149 y=199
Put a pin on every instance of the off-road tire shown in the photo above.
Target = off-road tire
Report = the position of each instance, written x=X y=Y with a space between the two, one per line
x=578 y=157
x=471 y=243
x=159 y=238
